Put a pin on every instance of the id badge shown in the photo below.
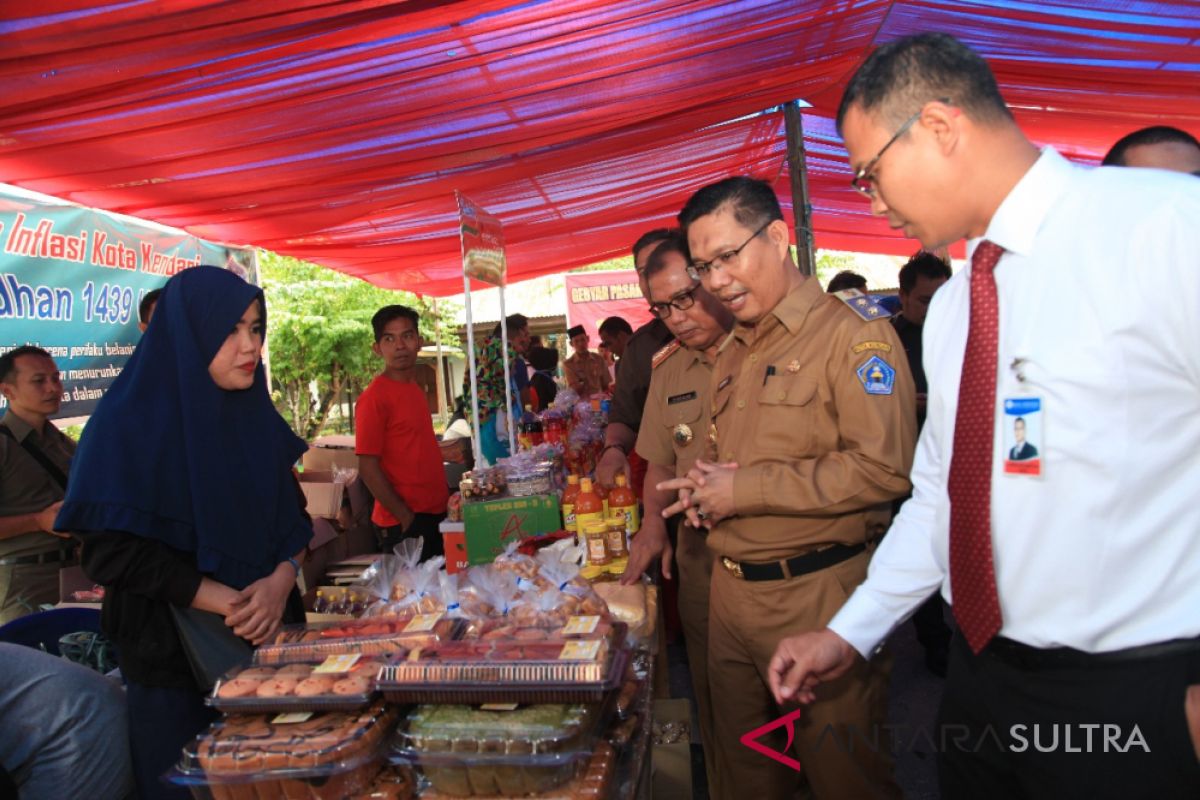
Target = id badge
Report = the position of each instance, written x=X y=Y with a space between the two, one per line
x=1023 y=436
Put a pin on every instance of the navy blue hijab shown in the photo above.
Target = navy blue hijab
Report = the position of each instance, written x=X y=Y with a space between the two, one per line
x=171 y=456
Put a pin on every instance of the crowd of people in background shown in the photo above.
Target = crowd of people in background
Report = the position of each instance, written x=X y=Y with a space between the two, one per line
x=816 y=467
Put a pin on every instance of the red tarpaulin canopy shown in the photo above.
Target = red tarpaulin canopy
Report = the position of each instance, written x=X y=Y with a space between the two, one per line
x=338 y=130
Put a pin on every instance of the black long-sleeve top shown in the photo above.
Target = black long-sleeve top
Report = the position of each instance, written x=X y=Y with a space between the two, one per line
x=142 y=579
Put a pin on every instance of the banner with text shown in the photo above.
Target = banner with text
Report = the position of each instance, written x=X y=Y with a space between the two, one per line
x=593 y=297
x=71 y=279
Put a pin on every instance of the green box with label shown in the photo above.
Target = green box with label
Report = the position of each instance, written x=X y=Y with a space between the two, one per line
x=493 y=524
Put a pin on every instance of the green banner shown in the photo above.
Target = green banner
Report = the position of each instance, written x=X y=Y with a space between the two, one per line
x=71 y=279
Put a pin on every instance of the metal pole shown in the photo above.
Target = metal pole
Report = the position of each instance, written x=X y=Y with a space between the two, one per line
x=512 y=421
x=798 y=172
x=475 y=440
x=442 y=389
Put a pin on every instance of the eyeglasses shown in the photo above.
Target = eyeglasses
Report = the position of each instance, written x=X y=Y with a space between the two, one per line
x=698 y=269
x=682 y=301
x=863 y=181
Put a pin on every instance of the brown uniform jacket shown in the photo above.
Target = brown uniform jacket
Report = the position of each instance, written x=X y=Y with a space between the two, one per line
x=815 y=404
x=674 y=430
x=25 y=486
x=633 y=373
x=588 y=369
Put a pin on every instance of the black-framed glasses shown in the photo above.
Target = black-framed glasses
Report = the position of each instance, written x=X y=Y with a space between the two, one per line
x=863 y=181
x=682 y=301
x=698 y=269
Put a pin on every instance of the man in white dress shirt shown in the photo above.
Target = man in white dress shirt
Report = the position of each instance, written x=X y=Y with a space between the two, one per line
x=1081 y=601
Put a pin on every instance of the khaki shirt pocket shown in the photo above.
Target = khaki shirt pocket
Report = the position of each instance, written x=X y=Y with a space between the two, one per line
x=787 y=414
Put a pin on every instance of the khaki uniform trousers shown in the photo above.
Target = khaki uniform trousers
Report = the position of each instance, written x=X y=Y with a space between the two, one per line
x=839 y=740
x=23 y=587
x=695 y=563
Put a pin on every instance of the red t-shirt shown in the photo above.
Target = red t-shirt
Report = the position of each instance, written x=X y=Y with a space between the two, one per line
x=392 y=422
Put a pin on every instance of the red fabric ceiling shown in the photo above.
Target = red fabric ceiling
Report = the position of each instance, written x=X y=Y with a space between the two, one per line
x=337 y=131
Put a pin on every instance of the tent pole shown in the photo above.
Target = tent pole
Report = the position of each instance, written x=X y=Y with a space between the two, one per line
x=512 y=420
x=798 y=172
x=441 y=370
x=476 y=439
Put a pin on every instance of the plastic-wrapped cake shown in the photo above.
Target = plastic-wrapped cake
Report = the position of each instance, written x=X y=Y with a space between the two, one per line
x=467 y=751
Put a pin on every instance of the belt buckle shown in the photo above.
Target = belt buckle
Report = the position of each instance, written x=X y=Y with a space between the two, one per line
x=734 y=568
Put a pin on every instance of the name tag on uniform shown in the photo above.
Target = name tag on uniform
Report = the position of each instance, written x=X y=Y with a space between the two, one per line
x=1023 y=436
x=680 y=398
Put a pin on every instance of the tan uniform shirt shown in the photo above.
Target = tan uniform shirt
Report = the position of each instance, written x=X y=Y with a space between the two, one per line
x=589 y=369
x=816 y=405
x=674 y=430
x=25 y=486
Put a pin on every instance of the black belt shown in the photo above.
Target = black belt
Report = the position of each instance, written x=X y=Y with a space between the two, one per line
x=48 y=557
x=1025 y=657
x=792 y=567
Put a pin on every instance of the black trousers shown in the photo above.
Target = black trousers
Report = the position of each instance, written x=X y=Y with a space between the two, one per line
x=423 y=525
x=161 y=722
x=1012 y=726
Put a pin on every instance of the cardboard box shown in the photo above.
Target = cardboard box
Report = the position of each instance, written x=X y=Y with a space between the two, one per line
x=454 y=541
x=328 y=452
x=323 y=493
x=672 y=763
x=309 y=599
x=492 y=524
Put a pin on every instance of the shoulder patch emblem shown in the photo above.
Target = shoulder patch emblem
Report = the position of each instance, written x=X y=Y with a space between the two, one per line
x=877 y=376
x=862 y=347
x=863 y=305
x=664 y=353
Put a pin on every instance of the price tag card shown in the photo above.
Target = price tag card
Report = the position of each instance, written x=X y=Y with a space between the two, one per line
x=343 y=662
x=498 y=707
x=295 y=716
x=580 y=625
x=581 y=651
x=421 y=623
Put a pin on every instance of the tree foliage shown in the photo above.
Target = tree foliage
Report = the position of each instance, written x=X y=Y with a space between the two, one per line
x=319 y=336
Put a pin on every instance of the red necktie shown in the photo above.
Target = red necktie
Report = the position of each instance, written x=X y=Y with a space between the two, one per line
x=972 y=572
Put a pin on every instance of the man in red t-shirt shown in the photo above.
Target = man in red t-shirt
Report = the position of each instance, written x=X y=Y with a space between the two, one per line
x=398 y=455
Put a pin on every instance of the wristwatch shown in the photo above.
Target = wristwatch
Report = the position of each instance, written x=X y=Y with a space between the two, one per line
x=295 y=565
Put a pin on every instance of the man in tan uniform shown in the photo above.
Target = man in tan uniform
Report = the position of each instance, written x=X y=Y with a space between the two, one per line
x=31 y=486
x=586 y=372
x=812 y=436
x=672 y=436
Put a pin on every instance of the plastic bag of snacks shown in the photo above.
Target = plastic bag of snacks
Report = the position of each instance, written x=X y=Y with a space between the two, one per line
x=486 y=483
x=487 y=593
x=527 y=475
x=575 y=595
x=402 y=586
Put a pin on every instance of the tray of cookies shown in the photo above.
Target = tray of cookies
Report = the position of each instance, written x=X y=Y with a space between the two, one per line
x=342 y=683
x=558 y=667
x=367 y=636
x=321 y=755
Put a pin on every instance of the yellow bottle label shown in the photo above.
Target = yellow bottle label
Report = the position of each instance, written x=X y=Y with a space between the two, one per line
x=583 y=520
x=633 y=522
x=569 y=522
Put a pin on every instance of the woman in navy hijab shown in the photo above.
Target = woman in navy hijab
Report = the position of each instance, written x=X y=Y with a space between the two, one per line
x=182 y=494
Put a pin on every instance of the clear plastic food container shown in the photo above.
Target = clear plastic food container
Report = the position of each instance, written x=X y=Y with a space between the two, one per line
x=554 y=670
x=313 y=755
x=510 y=751
x=369 y=636
x=337 y=683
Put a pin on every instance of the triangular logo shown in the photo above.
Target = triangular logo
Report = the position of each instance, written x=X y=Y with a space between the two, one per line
x=750 y=739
